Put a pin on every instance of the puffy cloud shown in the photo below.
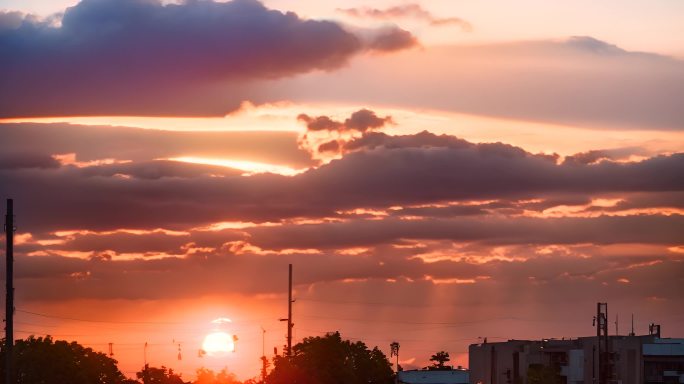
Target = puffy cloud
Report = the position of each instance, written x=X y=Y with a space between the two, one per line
x=364 y=119
x=424 y=139
x=320 y=130
x=320 y=123
x=141 y=57
x=11 y=20
x=360 y=121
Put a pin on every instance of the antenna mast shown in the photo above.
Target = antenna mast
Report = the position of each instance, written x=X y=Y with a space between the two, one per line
x=605 y=364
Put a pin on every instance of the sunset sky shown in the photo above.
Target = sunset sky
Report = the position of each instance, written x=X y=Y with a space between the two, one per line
x=436 y=171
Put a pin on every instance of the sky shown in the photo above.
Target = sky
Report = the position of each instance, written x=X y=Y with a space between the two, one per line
x=437 y=172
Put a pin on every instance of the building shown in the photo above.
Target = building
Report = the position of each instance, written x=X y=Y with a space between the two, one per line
x=646 y=359
x=451 y=376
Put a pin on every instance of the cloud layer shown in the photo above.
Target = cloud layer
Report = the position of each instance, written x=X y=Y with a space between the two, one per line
x=384 y=171
x=578 y=81
x=93 y=143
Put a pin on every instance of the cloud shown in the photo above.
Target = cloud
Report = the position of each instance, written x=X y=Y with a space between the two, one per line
x=326 y=138
x=423 y=139
x=332 y=146
x=578 y=81
x=489 y=230
x=593 y=45
x=360 y=121
x=90 y=143
x=364 y=119
x=27 y=160
x=597 y=155
x=141 y=57
x=414 y=11
x=146 y=243
x=391 y=39
x=406 y=172
x=11 y=20
x=320 y=123
x=157 y=169
x=197 y=275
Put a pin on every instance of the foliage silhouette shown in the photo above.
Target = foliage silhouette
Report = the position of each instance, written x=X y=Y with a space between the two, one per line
x=439 y=360
x=331 y=360
x=207 y=376
x=163 y=375
x=43 y=360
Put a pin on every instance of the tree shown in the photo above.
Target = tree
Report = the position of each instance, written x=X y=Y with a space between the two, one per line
x=163 y=375
x=331 y=360
x=264 y=367
x=43 y=360
x=394 y=351
x=207 y=376
x=438 y=361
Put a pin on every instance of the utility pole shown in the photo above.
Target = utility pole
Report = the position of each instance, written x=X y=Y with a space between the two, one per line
x=289 y=313
x=9 y=290
x=288 y=351
x=263 y=341
x=264 y=360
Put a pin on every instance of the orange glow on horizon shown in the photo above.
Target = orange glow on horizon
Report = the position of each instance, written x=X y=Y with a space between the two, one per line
x=535 y=137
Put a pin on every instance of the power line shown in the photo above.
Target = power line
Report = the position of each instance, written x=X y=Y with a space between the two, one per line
x=446 y=324
x=374 y=303
x=97 y=321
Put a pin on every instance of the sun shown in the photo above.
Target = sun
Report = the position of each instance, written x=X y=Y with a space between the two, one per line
x=217 y=343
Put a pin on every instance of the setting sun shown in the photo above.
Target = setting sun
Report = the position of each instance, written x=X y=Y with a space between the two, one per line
x=218 y=343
